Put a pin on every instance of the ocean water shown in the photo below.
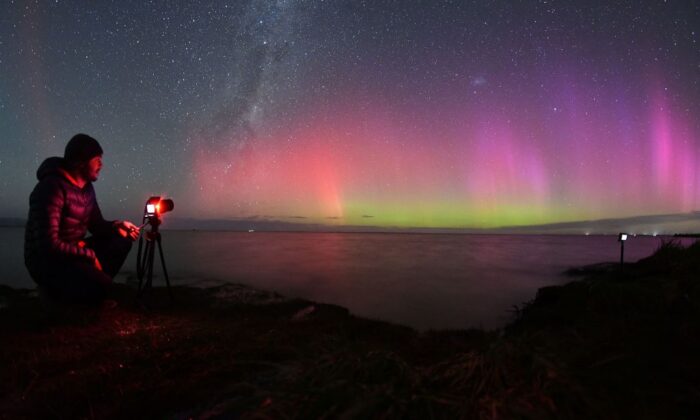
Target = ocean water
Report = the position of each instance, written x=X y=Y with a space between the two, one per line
x=439 y=281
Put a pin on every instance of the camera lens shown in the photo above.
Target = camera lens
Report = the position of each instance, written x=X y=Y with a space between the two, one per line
x=166 y=205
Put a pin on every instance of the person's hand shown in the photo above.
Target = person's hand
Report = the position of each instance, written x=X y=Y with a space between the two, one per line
x=127 y=229
x=96 y=262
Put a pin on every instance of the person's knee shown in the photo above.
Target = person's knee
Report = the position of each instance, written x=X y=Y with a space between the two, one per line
x=124 y=244
x=119 y=244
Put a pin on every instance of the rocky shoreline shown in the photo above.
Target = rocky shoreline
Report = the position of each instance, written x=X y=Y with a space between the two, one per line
x=609 y=344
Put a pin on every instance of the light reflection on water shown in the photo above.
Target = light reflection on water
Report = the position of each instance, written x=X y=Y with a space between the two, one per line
x=422 y=280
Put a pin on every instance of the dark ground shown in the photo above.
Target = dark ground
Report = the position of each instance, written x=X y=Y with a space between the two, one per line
x=609 y=345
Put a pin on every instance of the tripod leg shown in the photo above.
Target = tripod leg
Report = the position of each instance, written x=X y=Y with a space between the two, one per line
x=165 y=270
x=142 y=265
x=149 y=281
x=139 y=266
x=144 y=282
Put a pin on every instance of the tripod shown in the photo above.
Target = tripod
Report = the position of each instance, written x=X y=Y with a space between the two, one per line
x=144 y=262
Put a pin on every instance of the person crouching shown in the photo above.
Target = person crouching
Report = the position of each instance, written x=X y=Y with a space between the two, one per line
x=63 y=207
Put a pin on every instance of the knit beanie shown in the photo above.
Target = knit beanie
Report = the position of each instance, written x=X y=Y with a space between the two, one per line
x=81 y=148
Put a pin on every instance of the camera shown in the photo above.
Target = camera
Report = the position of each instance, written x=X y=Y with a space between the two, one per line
x=155 y=206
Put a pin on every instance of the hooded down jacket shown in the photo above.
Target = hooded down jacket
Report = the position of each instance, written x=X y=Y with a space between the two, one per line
x=60 y=214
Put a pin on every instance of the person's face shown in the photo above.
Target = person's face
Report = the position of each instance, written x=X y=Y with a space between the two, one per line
x=93 y=167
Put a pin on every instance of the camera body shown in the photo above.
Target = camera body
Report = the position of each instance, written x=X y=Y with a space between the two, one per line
x=155 y=206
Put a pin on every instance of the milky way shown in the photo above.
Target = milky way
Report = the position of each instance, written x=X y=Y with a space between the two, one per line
x=383 y=113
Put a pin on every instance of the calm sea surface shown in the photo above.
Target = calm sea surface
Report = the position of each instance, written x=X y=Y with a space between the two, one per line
x=421 y=280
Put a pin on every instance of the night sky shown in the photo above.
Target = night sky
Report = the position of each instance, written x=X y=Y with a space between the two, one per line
x=382 y=113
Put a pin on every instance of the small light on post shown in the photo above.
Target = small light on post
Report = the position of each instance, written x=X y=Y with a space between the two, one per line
x=622 y=238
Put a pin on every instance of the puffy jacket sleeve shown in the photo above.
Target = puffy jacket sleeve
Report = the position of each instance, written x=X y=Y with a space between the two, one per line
x=47 y=204
x=97 y=225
